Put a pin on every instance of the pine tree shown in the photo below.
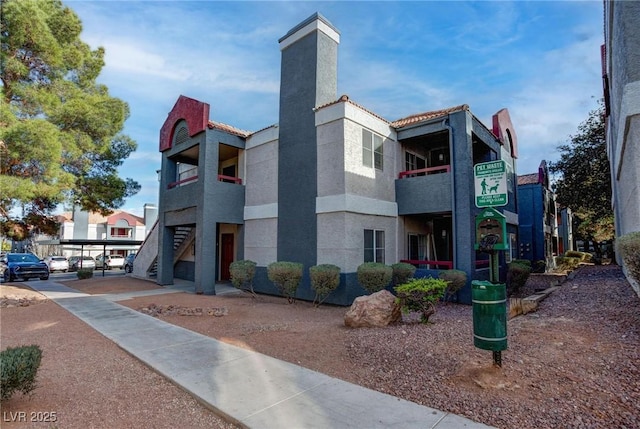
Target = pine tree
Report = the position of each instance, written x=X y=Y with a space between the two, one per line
x=584 y=180
x=60 y=131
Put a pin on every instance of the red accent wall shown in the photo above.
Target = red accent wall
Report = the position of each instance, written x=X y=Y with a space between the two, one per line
x=131 y=220
x=194 y=112
x=502 y=127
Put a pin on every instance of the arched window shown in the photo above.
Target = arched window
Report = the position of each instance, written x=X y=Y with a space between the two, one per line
x=181 y=134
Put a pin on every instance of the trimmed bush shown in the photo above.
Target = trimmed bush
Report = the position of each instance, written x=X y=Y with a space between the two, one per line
x=456 y=279
x=565 y=263
x=421 y=295
x=402 y=272
x=539 y=266
x=325 y=278
x=374 y=276
x=242 y=273
x=517 y=275
x=583 y=256
x=84 y=273
x=286 y=276
x=18 y=367
x=628 y=247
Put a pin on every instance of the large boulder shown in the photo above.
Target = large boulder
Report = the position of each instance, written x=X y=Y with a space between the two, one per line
x=377 y=309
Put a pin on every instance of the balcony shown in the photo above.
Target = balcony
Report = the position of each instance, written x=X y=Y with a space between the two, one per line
x=425 y=171
x=229 y=179
x=436 y=265
x=221 y=178
x=427 y=190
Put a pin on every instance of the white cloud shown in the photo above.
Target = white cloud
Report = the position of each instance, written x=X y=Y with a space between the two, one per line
x=549 y=108
x=124 y=57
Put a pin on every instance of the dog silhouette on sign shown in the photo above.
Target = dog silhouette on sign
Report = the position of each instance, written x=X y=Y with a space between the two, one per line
x=494 y=188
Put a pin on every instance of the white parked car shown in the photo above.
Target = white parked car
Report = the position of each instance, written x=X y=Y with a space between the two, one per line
x=57 y=263
x=76 y=263
x=109 y=261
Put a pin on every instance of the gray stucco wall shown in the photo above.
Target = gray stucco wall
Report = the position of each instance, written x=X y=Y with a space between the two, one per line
x=331 y=158
x=341 y=238
x=623 y=137
x=424 y=194
x=308 y=79
x=628 y=198
x=80 y=224
x=261 y=178
x=260 y=241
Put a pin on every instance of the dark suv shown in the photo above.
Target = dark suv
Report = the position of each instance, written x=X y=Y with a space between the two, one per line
x=128 y=263
x=23 y=266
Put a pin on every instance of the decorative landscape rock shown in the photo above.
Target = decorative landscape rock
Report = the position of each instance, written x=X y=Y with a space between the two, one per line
x=8 y=302
x=170 y=310
x=377 y=309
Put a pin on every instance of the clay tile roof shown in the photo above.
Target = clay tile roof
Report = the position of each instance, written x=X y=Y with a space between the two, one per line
x=528 y=179
x=64 y=217
x=425 y=116
x=228 y=129
x=345 y=99
x=96 y=218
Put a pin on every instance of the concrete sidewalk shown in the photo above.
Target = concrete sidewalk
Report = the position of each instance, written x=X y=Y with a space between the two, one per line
x=248 y=388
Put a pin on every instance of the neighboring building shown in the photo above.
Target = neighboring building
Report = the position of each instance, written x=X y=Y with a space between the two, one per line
x=89 y=226
x=332 y=182
x=621 y=80
x=565 y=231
x=538 y=218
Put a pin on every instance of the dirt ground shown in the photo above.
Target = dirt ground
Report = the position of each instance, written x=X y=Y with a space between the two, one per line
x=573 y=363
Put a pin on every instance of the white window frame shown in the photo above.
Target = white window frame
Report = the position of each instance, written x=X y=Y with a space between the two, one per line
x=511 y=254
x=377 y=251
x=372 y=150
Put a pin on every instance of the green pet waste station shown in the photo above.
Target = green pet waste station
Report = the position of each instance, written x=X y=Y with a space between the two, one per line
x=489 y=298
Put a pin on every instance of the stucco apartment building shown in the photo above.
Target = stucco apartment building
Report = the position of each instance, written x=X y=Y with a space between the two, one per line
x=91 y=234
x=78 y=226
x=538 y=218
x=621 y=79
x=332 y=182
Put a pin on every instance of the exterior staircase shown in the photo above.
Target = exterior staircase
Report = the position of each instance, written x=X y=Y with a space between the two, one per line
x=145 y=265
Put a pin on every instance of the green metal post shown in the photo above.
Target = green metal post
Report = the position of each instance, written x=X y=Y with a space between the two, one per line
x=494 y=275
x=494 y=267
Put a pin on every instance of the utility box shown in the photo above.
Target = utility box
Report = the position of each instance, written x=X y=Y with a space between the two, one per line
x=489 y=301
x=491 y=231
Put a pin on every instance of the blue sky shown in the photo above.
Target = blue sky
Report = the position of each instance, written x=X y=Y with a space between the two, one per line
x=540 y=60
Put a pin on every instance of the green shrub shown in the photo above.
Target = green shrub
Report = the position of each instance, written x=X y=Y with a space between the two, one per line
x=402 y=272
x=567 y=263
x=84 y=273
x=517 y=275
x=628 y=247
x=421 y=295
x=573 y=254
x=374 y=276
x=286 y=276
x=456 y=279
x=583 y=256
x=540 y=266
x=242 y=273
x=18 y=368
x=325 y=278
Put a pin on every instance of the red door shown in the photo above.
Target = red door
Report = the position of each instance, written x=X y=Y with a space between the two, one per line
x=227 y=256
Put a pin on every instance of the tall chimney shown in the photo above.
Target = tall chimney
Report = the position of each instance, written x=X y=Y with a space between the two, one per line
x=308 y=79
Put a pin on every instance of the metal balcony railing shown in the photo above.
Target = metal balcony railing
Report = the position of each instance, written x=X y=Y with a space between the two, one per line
x=425 y=171
x=182 y=182
x=229 y=179
x=447 y=264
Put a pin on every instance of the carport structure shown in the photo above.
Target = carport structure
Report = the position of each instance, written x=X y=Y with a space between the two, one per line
x=121 y=244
